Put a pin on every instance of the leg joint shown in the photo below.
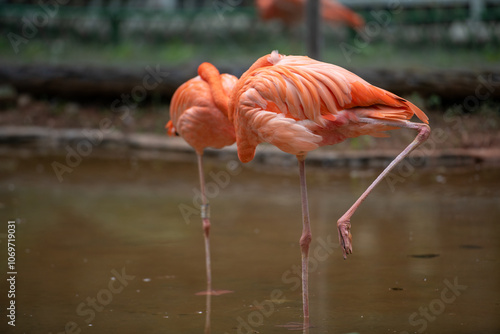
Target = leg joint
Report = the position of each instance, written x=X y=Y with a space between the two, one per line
x=424 y=131
x=305 y=240
x=206 y=226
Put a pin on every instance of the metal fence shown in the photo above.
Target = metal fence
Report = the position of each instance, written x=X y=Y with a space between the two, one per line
x=113 y=23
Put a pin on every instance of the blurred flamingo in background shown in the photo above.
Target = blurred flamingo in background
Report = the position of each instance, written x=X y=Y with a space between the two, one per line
x=199 y=113
x=292 y=11
x=299 y=104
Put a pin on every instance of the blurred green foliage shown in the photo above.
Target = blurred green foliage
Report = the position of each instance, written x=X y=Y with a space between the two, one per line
x=222 y=32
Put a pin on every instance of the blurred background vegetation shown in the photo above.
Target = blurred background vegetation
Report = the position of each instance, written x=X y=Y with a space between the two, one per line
x=398 y=33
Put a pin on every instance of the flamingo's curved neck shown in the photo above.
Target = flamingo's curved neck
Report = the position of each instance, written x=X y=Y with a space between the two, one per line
x=211 y=75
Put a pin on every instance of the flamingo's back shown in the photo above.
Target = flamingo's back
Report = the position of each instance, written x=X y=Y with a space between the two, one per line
x=288 y=11
x=195 y=117
x=298 y=104
x=335 y=12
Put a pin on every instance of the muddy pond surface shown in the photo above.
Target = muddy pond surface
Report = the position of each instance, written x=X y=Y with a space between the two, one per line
x=117 y=247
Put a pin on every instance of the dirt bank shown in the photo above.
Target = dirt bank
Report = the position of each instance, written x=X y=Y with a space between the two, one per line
x=76 y=144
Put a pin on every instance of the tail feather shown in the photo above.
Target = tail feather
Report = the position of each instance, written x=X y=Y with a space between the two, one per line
x=420 y=114
x=383 y=104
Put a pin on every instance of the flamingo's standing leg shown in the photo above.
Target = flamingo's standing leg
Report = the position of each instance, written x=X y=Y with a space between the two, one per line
x=205 y=217
x=344 y=224
x=305 y=240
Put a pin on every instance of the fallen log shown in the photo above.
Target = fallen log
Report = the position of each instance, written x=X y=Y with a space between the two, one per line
x=84 y=82
x=450 y=85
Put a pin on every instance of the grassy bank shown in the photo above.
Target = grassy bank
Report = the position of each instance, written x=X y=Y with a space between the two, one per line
x=347 y=52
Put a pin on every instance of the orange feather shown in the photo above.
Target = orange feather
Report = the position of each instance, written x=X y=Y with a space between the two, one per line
x=198 y=110
x=292 y=11
x=298 y=104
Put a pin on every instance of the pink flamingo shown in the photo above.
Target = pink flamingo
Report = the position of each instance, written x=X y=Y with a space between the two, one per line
x=299 y=104
x=198 y=113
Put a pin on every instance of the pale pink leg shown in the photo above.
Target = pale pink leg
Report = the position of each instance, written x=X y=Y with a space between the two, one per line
x=344 y=224
x=205 y=217
x=305 y=240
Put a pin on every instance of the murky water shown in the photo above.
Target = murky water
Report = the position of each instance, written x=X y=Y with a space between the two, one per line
x=117 y=247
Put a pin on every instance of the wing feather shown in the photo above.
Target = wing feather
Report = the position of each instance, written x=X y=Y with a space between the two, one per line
x=311 y=107
x=306 y=89
x=347 y=90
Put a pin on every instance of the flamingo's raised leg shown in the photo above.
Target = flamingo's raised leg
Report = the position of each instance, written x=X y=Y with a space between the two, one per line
x=344 y=223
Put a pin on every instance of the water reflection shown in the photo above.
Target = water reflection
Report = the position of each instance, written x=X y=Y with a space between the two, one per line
x=113 y=217
x=208 y=312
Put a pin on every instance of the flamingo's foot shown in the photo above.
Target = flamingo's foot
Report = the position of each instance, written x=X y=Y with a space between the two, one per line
x=213 y=292
x=345 y=237
x=296 y=326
